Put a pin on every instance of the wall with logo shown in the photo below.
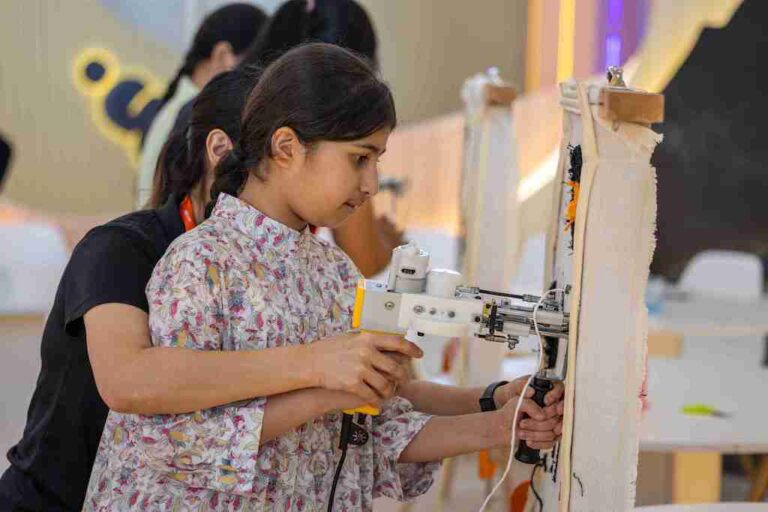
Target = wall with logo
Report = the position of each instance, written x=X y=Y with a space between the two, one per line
x=71 y=141
x=79 y=80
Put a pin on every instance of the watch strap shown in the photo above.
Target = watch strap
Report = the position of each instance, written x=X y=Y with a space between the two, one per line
x=487 y=403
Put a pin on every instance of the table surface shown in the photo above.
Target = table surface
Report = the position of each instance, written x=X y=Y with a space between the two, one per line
x=706 y=316
x=725 y=374
x=708 y=507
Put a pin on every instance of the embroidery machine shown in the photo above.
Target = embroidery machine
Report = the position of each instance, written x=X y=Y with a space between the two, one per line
x=416 y=301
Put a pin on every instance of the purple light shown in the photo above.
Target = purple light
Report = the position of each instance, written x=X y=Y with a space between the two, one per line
x=612 y=50
x=614 y=15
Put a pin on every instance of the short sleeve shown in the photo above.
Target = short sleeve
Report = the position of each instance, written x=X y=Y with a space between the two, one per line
x=393 y=430
x=110 y=265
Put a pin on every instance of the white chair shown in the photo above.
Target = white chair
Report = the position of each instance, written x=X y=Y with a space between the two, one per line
x=32 y=258
x=724 y=274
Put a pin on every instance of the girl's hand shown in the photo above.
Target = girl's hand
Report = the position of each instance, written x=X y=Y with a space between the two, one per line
x=357 y=363
x=540 y=430
x=342 y=400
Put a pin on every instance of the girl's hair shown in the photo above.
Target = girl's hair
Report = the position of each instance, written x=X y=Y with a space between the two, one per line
x=341 y=22
x=321 y=91
x=182 y=162
x=238 y=24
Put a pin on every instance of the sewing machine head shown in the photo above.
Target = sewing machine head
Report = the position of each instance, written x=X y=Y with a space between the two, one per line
x=418 y=301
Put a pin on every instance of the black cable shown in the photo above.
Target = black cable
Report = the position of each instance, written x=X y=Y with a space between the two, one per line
x=533 y=488
x=336 y=477
x=346 y=429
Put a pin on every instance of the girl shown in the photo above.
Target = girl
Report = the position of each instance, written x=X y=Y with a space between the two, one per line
x=253 y=277
x=96 y=346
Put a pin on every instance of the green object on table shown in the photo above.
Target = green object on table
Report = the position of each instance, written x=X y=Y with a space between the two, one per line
x=702 y=410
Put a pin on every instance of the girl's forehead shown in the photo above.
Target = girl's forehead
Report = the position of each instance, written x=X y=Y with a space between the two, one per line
x=376 y=142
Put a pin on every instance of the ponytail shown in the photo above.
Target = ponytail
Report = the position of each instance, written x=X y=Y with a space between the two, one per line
x=183 y=162
x=238 y=24
x=231 y=174
x=185 y=70
x=172 y=174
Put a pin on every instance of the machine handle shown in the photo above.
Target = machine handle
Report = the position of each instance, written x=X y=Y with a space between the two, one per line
x=525 y=454
x=364 y=409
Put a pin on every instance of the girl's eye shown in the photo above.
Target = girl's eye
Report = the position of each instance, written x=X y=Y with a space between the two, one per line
x=361 y=160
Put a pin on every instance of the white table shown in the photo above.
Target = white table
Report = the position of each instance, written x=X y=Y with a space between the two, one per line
x=726 y=376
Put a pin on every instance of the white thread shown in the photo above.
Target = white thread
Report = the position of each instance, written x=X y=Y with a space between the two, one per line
x=520 y=402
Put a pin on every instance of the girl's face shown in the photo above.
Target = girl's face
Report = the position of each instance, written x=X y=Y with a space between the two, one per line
x=330 y=180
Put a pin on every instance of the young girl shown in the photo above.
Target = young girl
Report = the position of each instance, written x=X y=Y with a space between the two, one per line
x=253 y=277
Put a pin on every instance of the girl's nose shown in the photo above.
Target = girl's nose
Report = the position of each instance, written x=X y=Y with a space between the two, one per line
x=370 y=182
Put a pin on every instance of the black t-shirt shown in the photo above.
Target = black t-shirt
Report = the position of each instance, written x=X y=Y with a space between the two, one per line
x=112 y=264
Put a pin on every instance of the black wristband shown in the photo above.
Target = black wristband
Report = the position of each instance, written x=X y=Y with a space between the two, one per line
x=487 y=403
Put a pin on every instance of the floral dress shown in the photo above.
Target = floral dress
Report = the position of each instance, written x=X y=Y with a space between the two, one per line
x=243 y=281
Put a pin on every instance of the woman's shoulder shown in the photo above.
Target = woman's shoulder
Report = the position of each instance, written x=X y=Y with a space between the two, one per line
x=201 y=247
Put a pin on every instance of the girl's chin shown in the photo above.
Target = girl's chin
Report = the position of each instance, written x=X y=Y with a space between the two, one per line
x=342 y=215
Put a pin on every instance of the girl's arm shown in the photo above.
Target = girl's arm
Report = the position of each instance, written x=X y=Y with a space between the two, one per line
x=368 y=241
x=450 y=436
x=134 y=377
x=290 y=410
x=442 y=400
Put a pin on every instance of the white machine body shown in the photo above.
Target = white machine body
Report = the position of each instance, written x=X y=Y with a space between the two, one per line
x=433 y=302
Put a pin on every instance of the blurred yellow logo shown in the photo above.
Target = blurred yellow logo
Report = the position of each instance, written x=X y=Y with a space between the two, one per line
x=123 y=100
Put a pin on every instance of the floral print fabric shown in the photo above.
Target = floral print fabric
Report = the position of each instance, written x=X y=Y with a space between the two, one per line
x=243 y=281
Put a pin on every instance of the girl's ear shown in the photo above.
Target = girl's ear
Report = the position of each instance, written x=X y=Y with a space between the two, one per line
x=223 y=57
x=217 y=144
x=286 y=146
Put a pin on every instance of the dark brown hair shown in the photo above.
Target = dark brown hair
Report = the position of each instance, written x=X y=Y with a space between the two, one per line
x=321 y=91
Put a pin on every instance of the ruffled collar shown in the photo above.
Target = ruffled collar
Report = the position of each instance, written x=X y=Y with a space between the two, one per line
x=254 y=224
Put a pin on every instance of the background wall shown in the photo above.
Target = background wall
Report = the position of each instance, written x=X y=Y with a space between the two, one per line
x=64 y=164
x=429 y=47
x=61 y=162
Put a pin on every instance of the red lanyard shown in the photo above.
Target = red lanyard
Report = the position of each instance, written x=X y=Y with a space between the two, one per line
x=187 y=214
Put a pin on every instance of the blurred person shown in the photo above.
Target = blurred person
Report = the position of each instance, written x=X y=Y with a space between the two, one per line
x=5 y=159
x=218 y=46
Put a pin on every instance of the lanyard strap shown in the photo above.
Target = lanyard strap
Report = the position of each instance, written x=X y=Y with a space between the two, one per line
x=187 y=214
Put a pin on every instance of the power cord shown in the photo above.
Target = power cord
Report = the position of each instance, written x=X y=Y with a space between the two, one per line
x=520 y=401
x=353 y=434
x=533 y=488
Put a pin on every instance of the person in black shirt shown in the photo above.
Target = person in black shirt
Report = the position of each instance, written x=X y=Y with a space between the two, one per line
x=96 y=351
